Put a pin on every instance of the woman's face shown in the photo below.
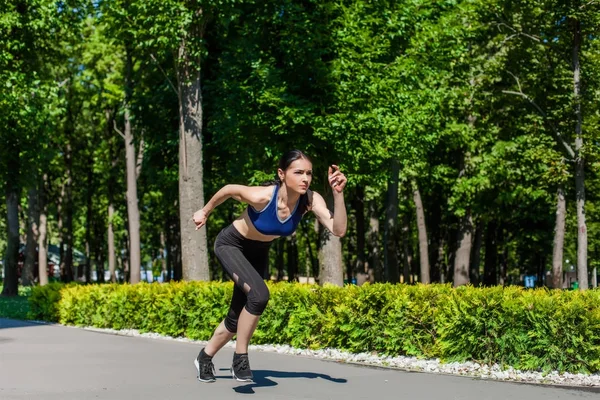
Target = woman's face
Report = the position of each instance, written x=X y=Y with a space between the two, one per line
x=297 y=176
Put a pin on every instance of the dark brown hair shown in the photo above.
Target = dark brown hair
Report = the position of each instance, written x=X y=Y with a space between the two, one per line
x=284 y=163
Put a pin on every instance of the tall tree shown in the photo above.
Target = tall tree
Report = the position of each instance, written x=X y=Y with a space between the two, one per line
x=391 y=264
x=33 y=217
x=582 y=234
x=123 y=19
x=563 y=32
x=27 y=28
x=42 y=243
x=12 y=191
x=559 y=237
x=132 y=173
x=194 y=250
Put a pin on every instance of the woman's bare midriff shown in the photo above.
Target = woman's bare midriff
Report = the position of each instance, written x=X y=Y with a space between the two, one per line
x=247 y=229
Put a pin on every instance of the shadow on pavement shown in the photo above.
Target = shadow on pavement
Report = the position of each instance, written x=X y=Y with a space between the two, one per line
x=261 y=379
x=6 y=323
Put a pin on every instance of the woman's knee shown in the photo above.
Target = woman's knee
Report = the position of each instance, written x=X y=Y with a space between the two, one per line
x=257 y=300
x=231 y=323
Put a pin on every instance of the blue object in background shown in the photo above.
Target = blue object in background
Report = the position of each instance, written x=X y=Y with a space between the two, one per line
x=530 y=281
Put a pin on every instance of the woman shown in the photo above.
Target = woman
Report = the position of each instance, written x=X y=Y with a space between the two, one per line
x=243 y=248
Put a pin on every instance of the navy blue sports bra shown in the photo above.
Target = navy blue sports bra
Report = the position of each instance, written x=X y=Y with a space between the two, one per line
x=267 y=221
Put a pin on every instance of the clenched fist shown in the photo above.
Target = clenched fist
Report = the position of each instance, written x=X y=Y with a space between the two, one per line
x=199 y=218
x=337 y=180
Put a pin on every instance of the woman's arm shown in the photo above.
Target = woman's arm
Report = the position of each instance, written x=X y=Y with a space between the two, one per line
x=335 y=222
x=253 y=195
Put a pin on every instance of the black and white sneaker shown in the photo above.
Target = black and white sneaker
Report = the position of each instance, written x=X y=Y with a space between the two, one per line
x=240 y=368
x=205 y=367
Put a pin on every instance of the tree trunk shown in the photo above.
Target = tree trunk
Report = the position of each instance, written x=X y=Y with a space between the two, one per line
x=100 y=265
x=313 y=267
x=359 y=207
x=112 y=259
x=441 y=266
x=133 y=211
x=491 y=255
x=43 y=236
x=194 y=249
x=476 y=255
x=170 y=243
x=33 y=217
x=541 y=268
x=503 y=242
x=407 y=253
x=173 y=243
x=11 y=280
x=462 y=260
x=423 y=244
x=582 y=272
x=60 y=205
x=279 y=260
x=12 y=249
x=292 y=258
x=330 y=259
x=330 y=249
x=559 y=238
x=66 y=253
x=88 y=223
x=391 y=267
x=375 y=266
x=463 y=254
x=307 y=266
x=163 y=255
x=350 y=250
x=126 y=274
x=434 y=222
x=451 y=255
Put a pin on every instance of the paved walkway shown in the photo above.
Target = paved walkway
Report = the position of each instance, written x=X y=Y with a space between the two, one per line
x=51 y=362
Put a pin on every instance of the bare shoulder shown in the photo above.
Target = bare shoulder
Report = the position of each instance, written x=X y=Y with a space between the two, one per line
x=256 y=196
x=264 y=193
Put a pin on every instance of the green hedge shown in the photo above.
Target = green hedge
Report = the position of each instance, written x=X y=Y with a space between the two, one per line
x=43 y=302
x=527 y=329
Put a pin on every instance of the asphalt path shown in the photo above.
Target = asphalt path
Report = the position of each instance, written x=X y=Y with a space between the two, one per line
x=39 y=361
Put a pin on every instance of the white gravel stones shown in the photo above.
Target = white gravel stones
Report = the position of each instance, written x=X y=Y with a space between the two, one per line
x=495 y=372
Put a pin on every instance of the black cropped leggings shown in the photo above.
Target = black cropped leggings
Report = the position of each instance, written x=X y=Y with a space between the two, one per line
x=245 y=261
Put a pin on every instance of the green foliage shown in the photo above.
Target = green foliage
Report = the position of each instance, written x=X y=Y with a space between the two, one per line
x=192 y=309
x=16 y=307
x=44 y=301
x=527 y=329
x=434 y=85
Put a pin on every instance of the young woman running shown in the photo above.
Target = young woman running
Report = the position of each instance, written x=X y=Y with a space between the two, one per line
x=243 y=248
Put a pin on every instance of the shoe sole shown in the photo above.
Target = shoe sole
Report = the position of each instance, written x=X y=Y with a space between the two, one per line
x=240 y=379
x=198 y=376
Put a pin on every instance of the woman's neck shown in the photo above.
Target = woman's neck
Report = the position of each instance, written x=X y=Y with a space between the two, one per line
x=288 y=197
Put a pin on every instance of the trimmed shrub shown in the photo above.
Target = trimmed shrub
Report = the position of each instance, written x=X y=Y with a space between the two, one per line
x=528 y=329
x=43 y=302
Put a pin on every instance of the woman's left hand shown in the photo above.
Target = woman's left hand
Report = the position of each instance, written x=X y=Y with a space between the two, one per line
x=337 y=180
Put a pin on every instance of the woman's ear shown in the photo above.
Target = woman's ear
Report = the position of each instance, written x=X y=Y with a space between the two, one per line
x=281 y=174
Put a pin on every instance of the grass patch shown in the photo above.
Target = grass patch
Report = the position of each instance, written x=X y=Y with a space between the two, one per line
x=15 y=307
